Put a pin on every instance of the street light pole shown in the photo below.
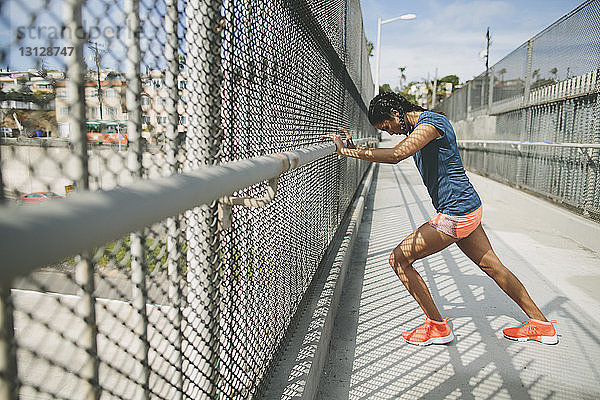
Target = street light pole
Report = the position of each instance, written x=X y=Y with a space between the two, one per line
x=377 y=55
x=405 y=17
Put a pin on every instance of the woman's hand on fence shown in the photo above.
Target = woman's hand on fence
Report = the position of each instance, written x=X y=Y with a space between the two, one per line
x=337 y=139
x=349 y=142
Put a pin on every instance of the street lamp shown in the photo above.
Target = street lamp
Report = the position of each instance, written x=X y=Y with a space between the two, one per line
x=378 y=50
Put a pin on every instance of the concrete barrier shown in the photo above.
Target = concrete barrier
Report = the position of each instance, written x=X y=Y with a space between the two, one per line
x=298 y=371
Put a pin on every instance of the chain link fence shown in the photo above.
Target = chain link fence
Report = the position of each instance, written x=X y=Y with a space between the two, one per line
x=533 y=119
x=99 y=94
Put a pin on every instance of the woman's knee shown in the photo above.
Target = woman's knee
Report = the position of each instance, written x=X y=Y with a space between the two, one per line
x=491 y=264
x=399 y=260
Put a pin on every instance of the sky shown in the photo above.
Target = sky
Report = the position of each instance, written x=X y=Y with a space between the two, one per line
x=449 y=35
x=37 y=23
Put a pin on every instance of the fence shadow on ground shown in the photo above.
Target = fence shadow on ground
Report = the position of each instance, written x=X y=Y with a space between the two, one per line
x=369 y=359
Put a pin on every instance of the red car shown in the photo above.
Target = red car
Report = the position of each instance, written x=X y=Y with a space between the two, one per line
x=37 y=197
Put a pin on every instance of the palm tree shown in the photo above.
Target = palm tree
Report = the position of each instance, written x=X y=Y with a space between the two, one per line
x=402 y=76
x=554 y=73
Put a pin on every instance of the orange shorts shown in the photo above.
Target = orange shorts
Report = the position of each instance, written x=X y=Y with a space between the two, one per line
x=457 y=226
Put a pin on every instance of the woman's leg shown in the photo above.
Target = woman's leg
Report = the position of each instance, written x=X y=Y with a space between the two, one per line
x=425 y=241
x=477 y=247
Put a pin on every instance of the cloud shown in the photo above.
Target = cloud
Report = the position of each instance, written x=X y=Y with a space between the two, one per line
x=469 y=14
x=450 y=35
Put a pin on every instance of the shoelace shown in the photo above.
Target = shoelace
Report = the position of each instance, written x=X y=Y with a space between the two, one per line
x=533 y=329
x=426 y=327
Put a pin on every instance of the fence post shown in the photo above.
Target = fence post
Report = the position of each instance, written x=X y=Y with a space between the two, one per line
x=468 y=99
x=9 y=384
x=482 y=95
x=528 y=72
x=201 y=330
x=174 y=269
x=491 y=80
x=84 y=270
x=139 y=293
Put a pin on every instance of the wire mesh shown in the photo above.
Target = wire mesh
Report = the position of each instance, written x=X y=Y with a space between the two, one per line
x=544 y=91
x=183 y=308
x=510 y=75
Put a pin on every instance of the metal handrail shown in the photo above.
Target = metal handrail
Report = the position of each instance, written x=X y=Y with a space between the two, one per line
x=89 y=220
x=549 y=144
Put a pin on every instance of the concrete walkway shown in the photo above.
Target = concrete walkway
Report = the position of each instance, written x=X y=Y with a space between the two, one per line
x=368 y=358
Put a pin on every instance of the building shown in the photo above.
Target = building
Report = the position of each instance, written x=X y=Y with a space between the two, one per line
x=155 y=94
x=110 y=105
x=421 y=93
x=111 y=98
x=105 y=106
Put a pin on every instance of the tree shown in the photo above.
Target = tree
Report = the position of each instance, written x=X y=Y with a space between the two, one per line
x=453 y=79
x=538 y=81
x=370 y=48
x=404 y=92
x=385 y=88
x=42 y=71
x=42 y=98
x=441 y=91
x=113 y=75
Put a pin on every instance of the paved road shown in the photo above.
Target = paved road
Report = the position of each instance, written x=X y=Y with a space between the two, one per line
x=368 y=358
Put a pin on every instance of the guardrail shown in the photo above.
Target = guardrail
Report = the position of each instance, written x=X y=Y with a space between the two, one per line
x=520 y=143
x=566 y=173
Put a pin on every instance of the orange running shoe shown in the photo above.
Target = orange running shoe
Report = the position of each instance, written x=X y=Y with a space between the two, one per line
x=431 y=332
x=533 y=329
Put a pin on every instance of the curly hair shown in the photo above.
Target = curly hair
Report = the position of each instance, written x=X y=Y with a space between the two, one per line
x=382 y=104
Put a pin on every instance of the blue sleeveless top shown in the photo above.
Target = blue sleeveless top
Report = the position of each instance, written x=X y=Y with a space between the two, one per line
x=441 y=168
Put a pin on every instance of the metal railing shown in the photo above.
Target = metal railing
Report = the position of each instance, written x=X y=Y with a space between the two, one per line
x=142 y=284
x=520 y=144
x=564 y=172
x=532 y=119
x=117 y=212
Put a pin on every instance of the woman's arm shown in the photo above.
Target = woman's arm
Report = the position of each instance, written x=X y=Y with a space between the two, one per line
x=423 y=134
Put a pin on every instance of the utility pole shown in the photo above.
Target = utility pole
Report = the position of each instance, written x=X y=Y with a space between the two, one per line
x=487 y=51
x=486 y=80
x=97 y=57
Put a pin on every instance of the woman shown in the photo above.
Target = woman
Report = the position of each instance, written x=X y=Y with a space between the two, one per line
x=432 y=143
